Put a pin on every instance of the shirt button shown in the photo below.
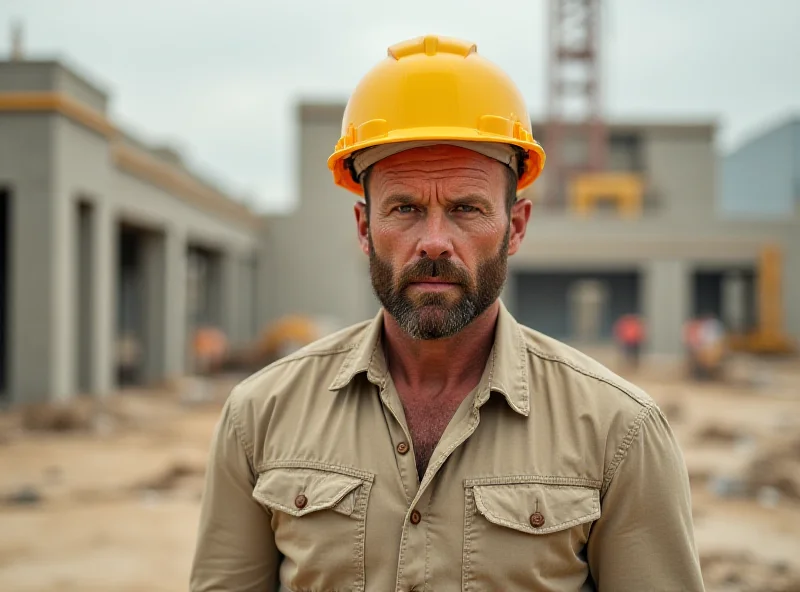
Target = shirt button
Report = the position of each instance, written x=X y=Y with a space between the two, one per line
x=415 y=517
x=537 y=520
x=300 y=501
x=402 y=448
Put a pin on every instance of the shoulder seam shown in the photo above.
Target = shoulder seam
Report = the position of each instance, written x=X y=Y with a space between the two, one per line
x=558 y=359
x=299 y=356
x=622 y=450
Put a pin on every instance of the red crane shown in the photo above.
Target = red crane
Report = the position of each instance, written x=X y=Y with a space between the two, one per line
x=575 y=133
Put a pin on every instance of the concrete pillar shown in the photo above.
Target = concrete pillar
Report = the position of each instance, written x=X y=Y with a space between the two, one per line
x=105 y=231
x=63 y=298
x=734 y=301
x=247 y=298
x=230 y=289
x=214 y=292
x=667 y=297
x=175 y=302
x=26 y=170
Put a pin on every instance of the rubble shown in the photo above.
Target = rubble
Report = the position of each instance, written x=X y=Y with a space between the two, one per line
x=777 y=465
x=718 y=433
x=24 y=496
x=173 y=476
x=742 y=572
x=75 y=415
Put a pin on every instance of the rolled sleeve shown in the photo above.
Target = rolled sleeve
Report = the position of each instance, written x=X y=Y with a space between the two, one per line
x=644 y=539
x=235 y=549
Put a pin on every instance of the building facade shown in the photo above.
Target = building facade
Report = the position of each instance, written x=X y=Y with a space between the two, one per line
x=112 y=251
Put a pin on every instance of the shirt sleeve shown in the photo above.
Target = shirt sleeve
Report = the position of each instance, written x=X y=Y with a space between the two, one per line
x=644 y=539
x=235 y=549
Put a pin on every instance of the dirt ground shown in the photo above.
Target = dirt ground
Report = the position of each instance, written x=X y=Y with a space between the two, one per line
x=100 y=498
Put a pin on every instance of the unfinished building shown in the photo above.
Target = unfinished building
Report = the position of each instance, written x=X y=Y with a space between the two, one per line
x=111 y=251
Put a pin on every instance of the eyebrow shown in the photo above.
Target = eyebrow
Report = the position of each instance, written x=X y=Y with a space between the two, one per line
x=399 y=199
x=472 y=199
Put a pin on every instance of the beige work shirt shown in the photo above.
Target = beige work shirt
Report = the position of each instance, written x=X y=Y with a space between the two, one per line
x=553 y=475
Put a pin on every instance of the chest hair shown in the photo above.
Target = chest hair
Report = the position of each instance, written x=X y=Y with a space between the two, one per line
x=427 y=422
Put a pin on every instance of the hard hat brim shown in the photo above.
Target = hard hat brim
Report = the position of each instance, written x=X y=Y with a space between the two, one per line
x=338 y=161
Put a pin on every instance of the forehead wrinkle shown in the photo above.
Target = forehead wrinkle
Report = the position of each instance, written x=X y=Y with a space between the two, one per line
x=439 y=173
x=451 y=180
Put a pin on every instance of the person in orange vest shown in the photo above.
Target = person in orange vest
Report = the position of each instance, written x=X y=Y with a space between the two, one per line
x=629 y=333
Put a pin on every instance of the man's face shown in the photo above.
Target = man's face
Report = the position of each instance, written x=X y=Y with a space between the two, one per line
x=438 y=237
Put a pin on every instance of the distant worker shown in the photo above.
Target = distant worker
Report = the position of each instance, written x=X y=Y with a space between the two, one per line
x=629 y=333
x=209 y=347
x=442 y=446
x=704 y=339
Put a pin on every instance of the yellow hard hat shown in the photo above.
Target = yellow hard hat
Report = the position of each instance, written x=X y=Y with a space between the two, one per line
x=435 y=88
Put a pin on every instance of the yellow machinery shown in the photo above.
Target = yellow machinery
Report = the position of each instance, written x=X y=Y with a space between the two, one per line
x=277 y=340
x=768 y=337
x=285 y=335
x=625 y=190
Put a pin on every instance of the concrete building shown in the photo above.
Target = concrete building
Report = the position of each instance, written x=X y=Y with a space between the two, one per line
x=675 y=257
x=111 y=251
x=761 y=178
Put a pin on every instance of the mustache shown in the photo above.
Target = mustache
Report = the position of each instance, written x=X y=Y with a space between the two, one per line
x=442 y=269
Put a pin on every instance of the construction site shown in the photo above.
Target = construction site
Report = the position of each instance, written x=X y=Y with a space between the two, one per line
x=134 y=294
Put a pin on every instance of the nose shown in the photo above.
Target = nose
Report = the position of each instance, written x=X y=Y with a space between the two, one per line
x=435 y=242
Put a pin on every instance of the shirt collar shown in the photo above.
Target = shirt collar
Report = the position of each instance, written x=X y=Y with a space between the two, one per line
x=507 y=368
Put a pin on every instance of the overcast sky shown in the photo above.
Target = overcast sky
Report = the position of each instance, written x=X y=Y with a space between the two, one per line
x=219 y=79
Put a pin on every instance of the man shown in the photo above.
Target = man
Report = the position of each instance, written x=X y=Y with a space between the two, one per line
x=629 y=333
x=442 y=446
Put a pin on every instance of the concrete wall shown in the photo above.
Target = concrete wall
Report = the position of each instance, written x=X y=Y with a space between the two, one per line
x=318 y=268
x=51 y=165
x=680 y=167
x=28 y=76
x=26 y=159
x=762 y=178
x=44 y=76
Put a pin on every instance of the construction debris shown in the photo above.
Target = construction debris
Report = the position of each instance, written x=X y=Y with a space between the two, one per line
x=76 y=415
x=777 y=465
x=742 y=572
x=173 y=477
x=24 y=496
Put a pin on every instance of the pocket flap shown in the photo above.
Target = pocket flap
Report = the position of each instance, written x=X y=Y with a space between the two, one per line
x=300 y=491
x=537 y=508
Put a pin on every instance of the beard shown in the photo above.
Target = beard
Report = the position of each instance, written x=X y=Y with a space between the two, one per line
x=436 y=315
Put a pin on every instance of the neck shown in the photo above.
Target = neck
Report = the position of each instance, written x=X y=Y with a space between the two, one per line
x=440 y=365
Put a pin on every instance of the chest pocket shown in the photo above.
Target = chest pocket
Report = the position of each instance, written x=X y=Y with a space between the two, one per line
x=525 y=534
x=319 y=519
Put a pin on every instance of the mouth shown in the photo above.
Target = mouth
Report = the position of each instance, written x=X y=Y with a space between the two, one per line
x=433 y=284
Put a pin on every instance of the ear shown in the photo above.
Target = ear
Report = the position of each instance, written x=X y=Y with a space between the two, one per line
x=362 y=225
x=520 y=214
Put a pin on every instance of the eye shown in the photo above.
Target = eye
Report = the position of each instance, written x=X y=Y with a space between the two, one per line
x=405 y=209
x=465 y=209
